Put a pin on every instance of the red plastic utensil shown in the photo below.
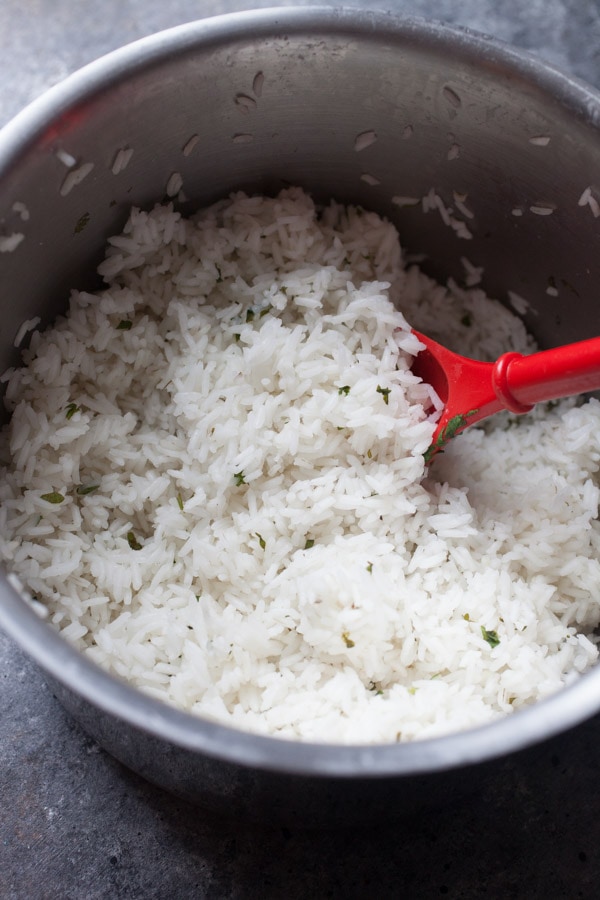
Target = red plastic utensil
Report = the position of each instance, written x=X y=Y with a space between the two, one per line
x=473 y=390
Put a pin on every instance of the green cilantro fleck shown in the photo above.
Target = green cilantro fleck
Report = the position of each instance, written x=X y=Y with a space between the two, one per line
x=265 y=311
x=456 y=424
x=261 y=541
x=84 y=489
x=180 y=502
x=412 y=691
x=347 y=640
x=124 y=325
x=237 y=336
x=385 y=392
x=344 y=390
x=71 y=409
x=81 y=223
x=467 y=617
x=309 y=543
x=490 y=636
x=239 y=478
x=370 y=568
x=219 y=274
x=249 y=315
x=133 y=541
x=53 y=497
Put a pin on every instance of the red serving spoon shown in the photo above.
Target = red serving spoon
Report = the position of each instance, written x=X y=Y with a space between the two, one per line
x=472 y=390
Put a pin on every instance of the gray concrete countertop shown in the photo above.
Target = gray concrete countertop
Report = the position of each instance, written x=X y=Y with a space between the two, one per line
x=75 y=824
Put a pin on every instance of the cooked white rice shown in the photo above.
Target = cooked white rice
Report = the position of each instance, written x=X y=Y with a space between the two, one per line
x=214 y=484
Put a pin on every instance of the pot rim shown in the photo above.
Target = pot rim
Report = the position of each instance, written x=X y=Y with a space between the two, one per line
x=567 y=708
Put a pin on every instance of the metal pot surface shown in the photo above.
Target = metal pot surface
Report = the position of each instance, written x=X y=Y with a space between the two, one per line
x=368 y=110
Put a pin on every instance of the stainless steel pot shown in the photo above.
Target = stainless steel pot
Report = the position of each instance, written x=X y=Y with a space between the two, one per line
x=367 y=109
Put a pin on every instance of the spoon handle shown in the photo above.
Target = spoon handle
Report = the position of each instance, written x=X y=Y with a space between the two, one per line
x=520 y=381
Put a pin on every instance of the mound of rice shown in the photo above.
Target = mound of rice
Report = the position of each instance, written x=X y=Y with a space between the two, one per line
x=214 y=485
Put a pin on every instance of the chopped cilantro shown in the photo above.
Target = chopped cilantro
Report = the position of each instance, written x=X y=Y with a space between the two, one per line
x=239 y=478
x=347 y=640
x=84 y=489
x=53 y=497
x=467 y=617
x=261 y=541
x=265 y=311
x=385 y=392
x=309 y=543
x=133 y=541
x=71 y=408
x=237 y=337
x=456 y=424
x=219 y=274
x=249 y=315
x=490 y=636
x=370 y=568
x=81 y=223
x=124 y=325
x=180 y=502
x=344 y=390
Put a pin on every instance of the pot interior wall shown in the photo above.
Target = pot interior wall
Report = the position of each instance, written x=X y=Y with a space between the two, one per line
x=371 y=119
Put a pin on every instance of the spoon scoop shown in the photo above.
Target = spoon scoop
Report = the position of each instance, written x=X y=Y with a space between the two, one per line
x=472 y=390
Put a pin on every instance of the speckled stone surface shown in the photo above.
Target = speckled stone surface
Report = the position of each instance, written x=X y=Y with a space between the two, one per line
x=74 y=824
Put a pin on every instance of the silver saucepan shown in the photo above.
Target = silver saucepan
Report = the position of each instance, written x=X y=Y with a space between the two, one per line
x=367 y=109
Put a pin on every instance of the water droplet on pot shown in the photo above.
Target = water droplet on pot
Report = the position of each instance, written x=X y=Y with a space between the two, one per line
x=257 y=84
x=121 y=160
x=190 y=144
x=66 y=158
x=364 y=140
x=245 y=103
x=174 y=184
x=75 y=177
x=451 y=97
